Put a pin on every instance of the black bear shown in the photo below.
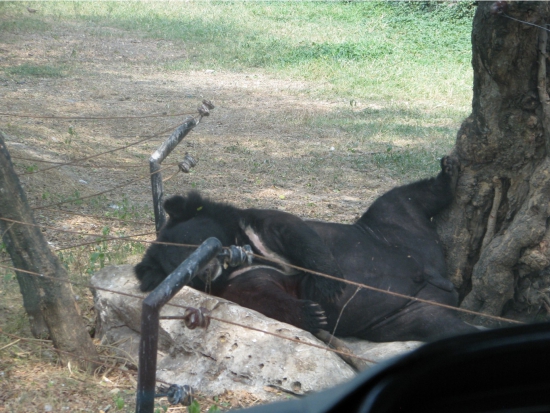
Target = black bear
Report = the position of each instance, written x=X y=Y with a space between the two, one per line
x=273 y=234
x=394 y=246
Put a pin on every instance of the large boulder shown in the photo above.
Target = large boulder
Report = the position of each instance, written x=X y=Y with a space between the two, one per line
x=224 y=356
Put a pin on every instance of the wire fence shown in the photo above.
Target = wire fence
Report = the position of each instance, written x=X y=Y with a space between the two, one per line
x=221 y=320
x=74 y=117
x=52 y=208
x=80 y=161
x=278 y=262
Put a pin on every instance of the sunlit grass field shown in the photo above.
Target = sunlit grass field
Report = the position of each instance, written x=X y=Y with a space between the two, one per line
x=381 y=51
x=402 y=67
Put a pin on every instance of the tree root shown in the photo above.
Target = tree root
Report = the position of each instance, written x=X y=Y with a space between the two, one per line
x=490 y=232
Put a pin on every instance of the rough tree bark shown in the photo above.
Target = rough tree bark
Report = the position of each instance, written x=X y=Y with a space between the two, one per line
x=497 y=234
x=50 y=304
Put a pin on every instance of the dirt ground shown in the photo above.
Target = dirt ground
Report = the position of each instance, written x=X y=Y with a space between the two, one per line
x=261 y=147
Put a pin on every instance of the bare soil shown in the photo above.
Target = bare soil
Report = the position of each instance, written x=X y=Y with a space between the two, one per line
x=259 y=148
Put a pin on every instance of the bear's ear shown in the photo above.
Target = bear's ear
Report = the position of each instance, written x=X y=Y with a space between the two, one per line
x=181 y=209
x=175 y=208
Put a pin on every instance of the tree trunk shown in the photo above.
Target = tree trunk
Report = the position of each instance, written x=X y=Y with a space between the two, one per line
x=49 y=304
x=496 y=233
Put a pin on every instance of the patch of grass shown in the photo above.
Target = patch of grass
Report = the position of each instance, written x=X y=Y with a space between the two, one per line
x=412 y=163
x=30 y=70
x=407 y=142
x=391 y=121
x=87 y=260
x=124 y=210
x=14 y=20
x=360 y=50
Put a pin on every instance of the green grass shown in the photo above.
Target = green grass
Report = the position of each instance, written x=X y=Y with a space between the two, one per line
x=30 y=70
x=410 y=59
x=360 y=50
x=407 y=142
x=410 y=162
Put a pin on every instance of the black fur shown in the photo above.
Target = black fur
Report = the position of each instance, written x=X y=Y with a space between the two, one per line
x=394 y=246
x=286 y=236
x=281 y=297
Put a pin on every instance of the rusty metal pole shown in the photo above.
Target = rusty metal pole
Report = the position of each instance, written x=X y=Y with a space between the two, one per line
x=154 y=167
x=150 y=312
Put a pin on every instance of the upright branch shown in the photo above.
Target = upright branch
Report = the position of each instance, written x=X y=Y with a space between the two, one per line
x=154 y=166
x=491 y=222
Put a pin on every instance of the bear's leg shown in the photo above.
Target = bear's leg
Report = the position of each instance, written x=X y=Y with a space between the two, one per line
x=437 y=193
x=414 y=204
x=289 y=240
x=421 y=321
x=274 y=294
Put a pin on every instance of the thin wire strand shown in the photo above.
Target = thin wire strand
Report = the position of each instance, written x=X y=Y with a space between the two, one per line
x=158 y=115
x=85 y=234
x=65 y=280
x=106 y=166
x=103 y=192
x=98 y=154
x=356 y=284
x=524 y=22
x=101 y=237
x=342 y=311
x=368 y=287
x=99 y=217
x=292 y=339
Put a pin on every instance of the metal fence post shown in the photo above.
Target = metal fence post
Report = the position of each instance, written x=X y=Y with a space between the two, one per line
x=154 y=167
x=151 y=307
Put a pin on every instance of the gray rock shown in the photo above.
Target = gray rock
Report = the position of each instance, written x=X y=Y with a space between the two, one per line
x=380 y=351
x=224 y=356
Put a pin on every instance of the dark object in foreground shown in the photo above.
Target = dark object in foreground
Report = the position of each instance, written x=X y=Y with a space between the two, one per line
x=496 y=371
x=394 y=246
x=150 y=313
